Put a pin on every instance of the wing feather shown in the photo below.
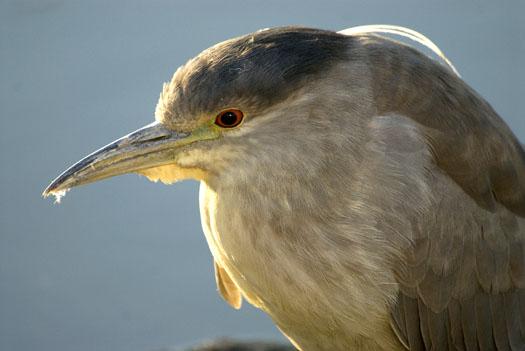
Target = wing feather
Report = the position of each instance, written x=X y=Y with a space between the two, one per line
x=512 y=319
x=499 y=325
x=468 y=317
x=227 y=287
x=456 y=328
x=437 y=325
x=414 y=336
x=461 y=276
x=423 y=324
x=483 y=322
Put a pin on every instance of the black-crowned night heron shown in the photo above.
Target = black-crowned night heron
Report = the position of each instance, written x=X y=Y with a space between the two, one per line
x=357 y=191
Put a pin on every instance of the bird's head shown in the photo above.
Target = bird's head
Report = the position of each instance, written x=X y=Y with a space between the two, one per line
x=241 y=97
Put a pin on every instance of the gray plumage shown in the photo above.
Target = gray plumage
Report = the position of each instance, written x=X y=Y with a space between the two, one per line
x=370 y=199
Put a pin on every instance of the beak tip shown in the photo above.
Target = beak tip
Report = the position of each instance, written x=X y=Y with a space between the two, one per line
x=46 y=192
x=54 y=189
x=58 y=194
x=49 y=190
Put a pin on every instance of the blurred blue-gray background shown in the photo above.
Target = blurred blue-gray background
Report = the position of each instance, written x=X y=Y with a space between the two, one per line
x=122 y=264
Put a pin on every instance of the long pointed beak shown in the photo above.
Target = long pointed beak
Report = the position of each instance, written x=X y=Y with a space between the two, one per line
x=151 y=146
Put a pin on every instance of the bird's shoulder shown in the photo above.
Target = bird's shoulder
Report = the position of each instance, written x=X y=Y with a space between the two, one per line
x=460 y=247
x=469 y=141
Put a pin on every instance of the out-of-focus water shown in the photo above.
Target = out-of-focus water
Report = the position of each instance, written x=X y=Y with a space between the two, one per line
x=122 y=265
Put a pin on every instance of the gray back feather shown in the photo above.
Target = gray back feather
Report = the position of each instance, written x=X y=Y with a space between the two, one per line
x=463 y=277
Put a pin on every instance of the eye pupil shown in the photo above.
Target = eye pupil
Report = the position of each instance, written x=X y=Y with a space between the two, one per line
x=229 y=118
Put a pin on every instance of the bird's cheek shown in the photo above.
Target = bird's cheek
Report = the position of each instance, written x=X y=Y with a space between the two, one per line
x=172 y=173
x=187 y=164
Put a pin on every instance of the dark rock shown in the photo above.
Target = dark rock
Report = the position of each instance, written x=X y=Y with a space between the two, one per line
x=232 y=345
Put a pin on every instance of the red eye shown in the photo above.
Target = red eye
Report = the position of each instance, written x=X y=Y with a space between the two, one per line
x=229 y=118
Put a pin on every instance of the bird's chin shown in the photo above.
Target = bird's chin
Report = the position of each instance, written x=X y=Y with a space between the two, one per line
x=172 y=173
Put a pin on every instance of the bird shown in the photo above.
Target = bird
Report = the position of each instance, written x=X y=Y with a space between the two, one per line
x=352 y=187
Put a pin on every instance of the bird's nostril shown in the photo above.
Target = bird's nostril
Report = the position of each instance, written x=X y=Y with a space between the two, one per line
x=158 y=138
